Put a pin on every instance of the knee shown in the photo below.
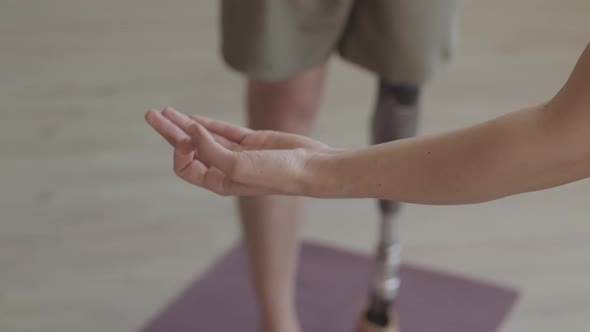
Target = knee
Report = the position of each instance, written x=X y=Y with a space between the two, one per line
x=284 y=108
x=301 y=105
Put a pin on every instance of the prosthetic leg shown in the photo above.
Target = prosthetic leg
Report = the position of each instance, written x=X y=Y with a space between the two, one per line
x=395 y=117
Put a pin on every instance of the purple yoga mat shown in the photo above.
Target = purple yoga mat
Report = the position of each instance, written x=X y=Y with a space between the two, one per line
x=331 y=289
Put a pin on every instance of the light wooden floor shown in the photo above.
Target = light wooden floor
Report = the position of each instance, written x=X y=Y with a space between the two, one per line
x=96 y=234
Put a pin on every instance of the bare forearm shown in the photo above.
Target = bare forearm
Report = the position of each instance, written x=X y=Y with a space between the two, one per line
x=512 y=154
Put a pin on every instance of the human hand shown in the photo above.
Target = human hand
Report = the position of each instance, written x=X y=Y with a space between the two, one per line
x=233 y=160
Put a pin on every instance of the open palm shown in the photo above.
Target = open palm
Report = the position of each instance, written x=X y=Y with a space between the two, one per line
x=233 y=160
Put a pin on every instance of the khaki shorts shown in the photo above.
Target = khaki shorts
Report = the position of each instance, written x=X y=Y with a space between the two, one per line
x=401 y=41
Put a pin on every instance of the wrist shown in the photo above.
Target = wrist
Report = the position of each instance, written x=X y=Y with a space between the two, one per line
x=319 y=173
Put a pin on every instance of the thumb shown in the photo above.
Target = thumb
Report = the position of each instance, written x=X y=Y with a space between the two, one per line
x=211 y=151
